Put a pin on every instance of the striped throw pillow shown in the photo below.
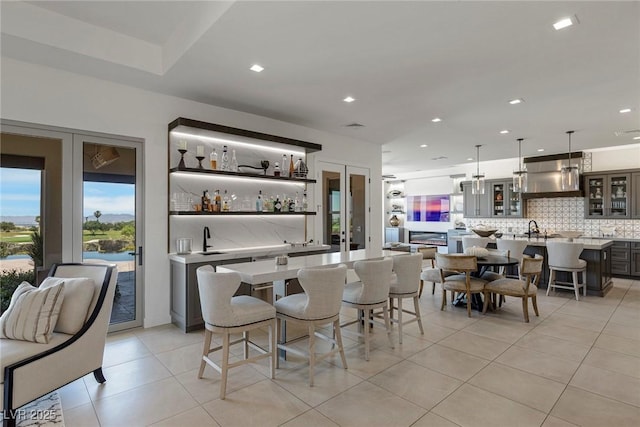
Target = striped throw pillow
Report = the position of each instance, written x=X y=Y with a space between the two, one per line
x=32 y=313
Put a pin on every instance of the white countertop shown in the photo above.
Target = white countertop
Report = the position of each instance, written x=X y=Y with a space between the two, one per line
x=589 y=243
x=255 y=251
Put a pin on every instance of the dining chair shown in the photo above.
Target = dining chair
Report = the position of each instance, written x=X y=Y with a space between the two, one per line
x=516 y=250
x=489 y=275
x=565 y=256
x=471 y=241
x=317 y=306
x=225 y=314
x=405 y=283
x=524 y=288
x=464 y=265
x=369 y=293
x=430 y=272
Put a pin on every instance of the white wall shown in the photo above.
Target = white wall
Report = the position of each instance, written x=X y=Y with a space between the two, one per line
x=42 y=95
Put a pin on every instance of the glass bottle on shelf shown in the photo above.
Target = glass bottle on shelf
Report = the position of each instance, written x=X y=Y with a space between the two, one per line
x=225 y=159
x=292 y=205
x=296 y=203
x=205 y=201
x=277 y=205
x=284 y=165
x=233 y=165
x=217 y=201
x=226 y=204
x=213 y=159
x=291 y=167
x=259 y=202
x=276 y=169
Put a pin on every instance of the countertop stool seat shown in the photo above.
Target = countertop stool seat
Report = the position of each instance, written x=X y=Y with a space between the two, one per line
x=405 y=283
x=565 y=256
x=319 y=305
x=462 y=282
x=368 y=294
x=225 y=314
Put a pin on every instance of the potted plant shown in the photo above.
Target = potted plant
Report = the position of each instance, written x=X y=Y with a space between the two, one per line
x=36 y=251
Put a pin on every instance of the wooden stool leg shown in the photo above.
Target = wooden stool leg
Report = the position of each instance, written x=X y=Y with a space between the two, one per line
x=534 y=301
x=576 y=284
x=400 y=320
x=416 y=308
x=312 y=353
x=224 y=369
x=525 y=308
x=205 y=351
x=338 y=337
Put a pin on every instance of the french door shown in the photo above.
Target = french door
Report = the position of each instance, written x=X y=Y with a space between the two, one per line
x=343 y=206
x=108 y=217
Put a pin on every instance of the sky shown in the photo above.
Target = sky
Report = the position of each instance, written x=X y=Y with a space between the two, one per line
x=20 y=195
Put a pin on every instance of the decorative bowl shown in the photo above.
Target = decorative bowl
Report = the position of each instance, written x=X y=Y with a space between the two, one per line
x=476 y=251
x=570 y=234
x=484 y=232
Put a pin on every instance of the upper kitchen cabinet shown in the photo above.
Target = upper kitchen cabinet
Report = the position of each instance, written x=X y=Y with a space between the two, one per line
x=504 y=201
x=635 y=195
x=475 y=205
x=608 y=195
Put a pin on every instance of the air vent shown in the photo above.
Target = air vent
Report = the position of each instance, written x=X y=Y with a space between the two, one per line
x=626 y=132
x=389 y=177
x=355 y=125
x=439 y=158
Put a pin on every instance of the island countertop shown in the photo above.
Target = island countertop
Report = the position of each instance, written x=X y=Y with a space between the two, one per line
x=255 y=251
x=589 y=243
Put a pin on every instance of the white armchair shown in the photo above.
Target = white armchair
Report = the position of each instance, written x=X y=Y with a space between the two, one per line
x=31 y=370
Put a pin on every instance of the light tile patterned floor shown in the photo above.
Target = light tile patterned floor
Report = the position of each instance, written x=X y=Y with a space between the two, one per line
x=576 y=364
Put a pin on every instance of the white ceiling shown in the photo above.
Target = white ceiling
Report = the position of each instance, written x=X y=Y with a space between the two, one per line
x=404 y=62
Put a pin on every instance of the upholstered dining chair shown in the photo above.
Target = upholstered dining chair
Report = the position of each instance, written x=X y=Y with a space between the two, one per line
x=524 y=288
x=225 y=314
x=430 y=272
x=405 y=283
x=319 y=305
x=464 y=265
x=565 y=256
x=471 y=241
x=516 y=250
x=369 y=293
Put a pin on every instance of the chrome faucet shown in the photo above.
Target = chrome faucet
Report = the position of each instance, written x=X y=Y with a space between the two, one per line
x=535 y=228
x=205 y=235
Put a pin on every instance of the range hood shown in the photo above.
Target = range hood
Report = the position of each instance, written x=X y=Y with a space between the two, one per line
x=543 y=175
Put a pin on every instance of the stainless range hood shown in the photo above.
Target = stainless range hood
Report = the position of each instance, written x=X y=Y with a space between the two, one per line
x=543 y=175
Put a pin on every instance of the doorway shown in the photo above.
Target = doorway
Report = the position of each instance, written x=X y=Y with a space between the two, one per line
x=344 y=218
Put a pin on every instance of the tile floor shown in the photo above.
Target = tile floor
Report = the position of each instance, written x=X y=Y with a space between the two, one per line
x=577 y=364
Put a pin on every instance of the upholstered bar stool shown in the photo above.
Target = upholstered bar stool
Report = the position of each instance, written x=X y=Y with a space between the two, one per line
x=405 y=283
x=371 y=292
x=225 y=314
x=462 y=282
x=565 y=256
x=430 y=272
x=319 y=305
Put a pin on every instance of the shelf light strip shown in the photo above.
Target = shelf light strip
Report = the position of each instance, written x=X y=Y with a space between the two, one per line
x=238 y=143
x=208 y=177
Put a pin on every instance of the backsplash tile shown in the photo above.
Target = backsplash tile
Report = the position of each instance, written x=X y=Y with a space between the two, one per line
x=557 y=214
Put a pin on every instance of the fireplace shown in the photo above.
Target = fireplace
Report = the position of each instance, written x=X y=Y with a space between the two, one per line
x=435 y=238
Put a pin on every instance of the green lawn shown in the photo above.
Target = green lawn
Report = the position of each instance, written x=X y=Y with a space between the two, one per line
x=24 y=236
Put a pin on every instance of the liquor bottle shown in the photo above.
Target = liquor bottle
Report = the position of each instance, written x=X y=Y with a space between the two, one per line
x=291 y=167
x=205 y=201
x=225 y=159
x=292 y=205
x=277 y=205
x=226 y=206
x=276 y=169
x=213 y=159
x=217 y=201
x=233 y=166
x=259 y=202
x=304 y=201
x=284 y=165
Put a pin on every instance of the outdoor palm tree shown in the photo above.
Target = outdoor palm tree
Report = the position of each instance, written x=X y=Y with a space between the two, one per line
x=97 y=214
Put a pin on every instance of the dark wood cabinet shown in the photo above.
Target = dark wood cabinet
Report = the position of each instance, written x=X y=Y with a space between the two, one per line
x=475 y=205
x=635 y=259
x=635 y=195
x=608 y=195
x=498 y=201
x=621 y=258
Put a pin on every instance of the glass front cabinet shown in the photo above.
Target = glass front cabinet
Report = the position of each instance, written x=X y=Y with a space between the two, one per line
x=504 y=201
x=608 y=196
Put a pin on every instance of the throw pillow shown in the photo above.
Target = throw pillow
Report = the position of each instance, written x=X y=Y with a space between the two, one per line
x=78 y=293
x=32 y=313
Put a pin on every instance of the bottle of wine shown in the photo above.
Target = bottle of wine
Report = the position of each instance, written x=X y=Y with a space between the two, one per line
x=259 y=202
x=213 y=159
x=291 y=167
x=204 y=200
x=233 y=165
x=225 y=159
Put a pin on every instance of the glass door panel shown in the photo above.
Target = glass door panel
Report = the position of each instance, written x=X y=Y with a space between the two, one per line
x=596 y=196
x=498 y=195
x=358 y=208
x=618 y=189
x=515 y=204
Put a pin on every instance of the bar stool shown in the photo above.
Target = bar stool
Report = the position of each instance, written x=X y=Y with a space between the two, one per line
x=319 y=305
x=371 y=292
x=225 y=314
x=405 y=283
x=565 y=256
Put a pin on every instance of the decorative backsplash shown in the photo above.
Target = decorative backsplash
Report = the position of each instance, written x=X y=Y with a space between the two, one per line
x=563 y=213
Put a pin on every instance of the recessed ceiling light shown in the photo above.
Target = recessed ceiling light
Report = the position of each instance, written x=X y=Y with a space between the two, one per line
x=423 y=145
x=436 y=120
x=469 y=158
x=505 y=131
x=563 y=23
x=257 y=68
x=515 y=101
x=625 y=110
x=349 y=99
x=540 y=150
x=636 y=137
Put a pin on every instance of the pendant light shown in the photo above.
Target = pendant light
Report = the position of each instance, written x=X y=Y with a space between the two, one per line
x=569 y=174
x=520 y=176
x=477 y=184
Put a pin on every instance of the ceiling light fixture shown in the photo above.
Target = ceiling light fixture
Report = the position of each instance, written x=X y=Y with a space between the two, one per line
x=504 y=132
x=469 y=158
x=540 y=150
x=636 y=137
x=257 y=68
x=349 y=99
x=516 y=101
x=436 y=120
x=569 y=174
x=477 y=185
x=423 y=146
x=520 y=176
x=625 y=110
x=563 y=23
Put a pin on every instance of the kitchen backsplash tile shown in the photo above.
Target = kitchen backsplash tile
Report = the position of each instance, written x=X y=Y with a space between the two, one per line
x=558 y=214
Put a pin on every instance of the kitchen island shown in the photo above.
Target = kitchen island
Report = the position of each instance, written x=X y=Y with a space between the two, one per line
x=597 y=253
x=185 y=298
